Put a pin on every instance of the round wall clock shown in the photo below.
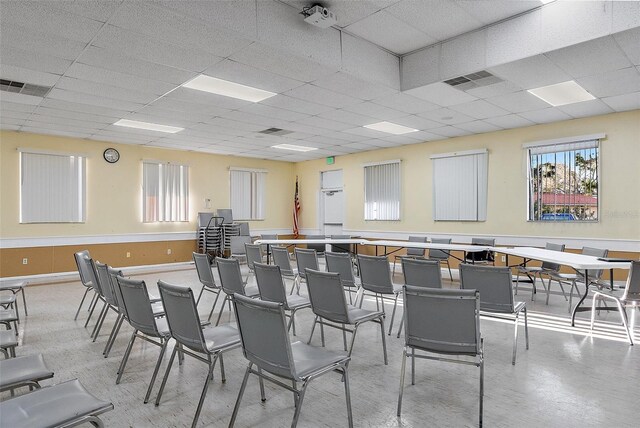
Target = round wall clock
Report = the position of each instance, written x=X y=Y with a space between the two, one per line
x=111 y=155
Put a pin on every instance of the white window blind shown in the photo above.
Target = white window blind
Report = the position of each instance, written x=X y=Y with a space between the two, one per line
x=460 y=186
x=165 y=192
x=52 y=188
x=247 y=193
x=382 y=191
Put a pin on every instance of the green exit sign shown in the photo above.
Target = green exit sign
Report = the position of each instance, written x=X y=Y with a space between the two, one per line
x=331 y=160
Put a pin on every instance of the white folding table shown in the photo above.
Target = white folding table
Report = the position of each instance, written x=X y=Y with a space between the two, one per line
x=465 y=248
x=289 y=242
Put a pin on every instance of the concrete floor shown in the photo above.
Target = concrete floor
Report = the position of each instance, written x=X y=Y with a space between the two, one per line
x=566 y=379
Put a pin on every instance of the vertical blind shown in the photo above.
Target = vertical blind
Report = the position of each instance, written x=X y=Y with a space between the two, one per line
x=52 y=188
x=247 y=193
x=165 y=189
x=382 y=191
x=460 y=186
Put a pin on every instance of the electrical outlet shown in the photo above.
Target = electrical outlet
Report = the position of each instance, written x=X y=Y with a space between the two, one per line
x=504 y=259
x=168 y=251
x=128 y=254
x=25 y=261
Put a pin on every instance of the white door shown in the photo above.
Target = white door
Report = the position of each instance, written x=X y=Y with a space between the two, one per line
x=332 y=206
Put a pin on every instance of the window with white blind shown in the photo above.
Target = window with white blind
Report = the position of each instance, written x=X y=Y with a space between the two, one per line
x=165 y=192
x=247 y=193
x=563 y=179
x=382 y=191
x=460 y=186
x=52 y=187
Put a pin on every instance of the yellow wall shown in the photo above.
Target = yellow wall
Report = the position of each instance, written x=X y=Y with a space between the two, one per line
x=507 y=197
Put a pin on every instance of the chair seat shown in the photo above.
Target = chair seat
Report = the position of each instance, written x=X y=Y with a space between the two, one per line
x=163 y=327
x=8 y=339
x=296 y=301
x=357 y=315
x=292 y=272
x=568 y=277
x=251 y=291
x=51 y=406
x=7 y=315
x=17 y=371
x=310 y=359
x=7 y=299
x=220 y=337
x=530 y=269
x=356 y=282
x=13 y=285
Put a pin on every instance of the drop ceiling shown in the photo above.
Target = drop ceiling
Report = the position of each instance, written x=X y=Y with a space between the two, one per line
x=386 y=60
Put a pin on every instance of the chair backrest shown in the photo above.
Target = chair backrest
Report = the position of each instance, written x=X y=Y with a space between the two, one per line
x=327 y=295
x=244 y=229
x=306 y=258
x=226 y=214
x=268 y=236
x=91 y=274
x=422 y=273
x=442 y=321
x=102 y=274
x=553 y=247
x=320 y=248
x=237 y=244
x=254 y=254
x=230 y=275
x=482 y=256
x=493 y=283
x=114 y=274
x=341 y=263
x=595 y=252
x=632 y=289
x=264 y=336
x=203 y=268
x=182 y=315
x=375 y=274
x=281 y=258
x=439 y=254
x=340 y=248
x=270 y=283
x=136 y=299
x=416 y=252
x=82 y=267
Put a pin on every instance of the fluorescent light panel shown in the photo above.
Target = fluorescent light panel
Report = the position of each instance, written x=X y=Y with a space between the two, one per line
x=294 y=147
x=562 y=93
x=228 y=89
x=390 y=128
x=149 y=126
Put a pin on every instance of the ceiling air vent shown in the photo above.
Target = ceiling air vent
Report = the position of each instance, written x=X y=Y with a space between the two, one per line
x=275 y=131
x=473 y=80
x=24 y=88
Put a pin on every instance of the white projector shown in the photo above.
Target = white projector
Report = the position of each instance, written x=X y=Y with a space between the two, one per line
x=320 y=17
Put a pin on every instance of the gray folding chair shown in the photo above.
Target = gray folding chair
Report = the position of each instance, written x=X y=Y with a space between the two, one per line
x=412 y=253
x=90 y=273
x=205 y=276
x=445 y=323
x=66 y=404
x=630 y=298
x=266 y=343
x=237 y=246
x=281 y=259
x=578 y=277
x=482 y=257
x=267 y=236
x=496 y=296
x=319 y=248
x=442 y=256
x=145 y=325
x=18 y=372
x=101 y=274
x=231 y=282
x=7 y=317
x=8 y=301
x=8 y=343
x=254 y=255
x=341 y=263
x=340 y=248
x=420 y=273
x=84 y=277
x=15 y=288
x=206 y=345
x=537 y=271
x=376 y=279
x=272 y=289
x=330 y=307
x=244 y=229
x=305 y=259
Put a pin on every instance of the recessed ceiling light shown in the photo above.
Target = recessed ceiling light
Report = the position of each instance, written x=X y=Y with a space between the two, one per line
x=294 y=147
x=390 y=128
x=228 y=89
x=562 y=93
x=546 y=1
x=148 y=126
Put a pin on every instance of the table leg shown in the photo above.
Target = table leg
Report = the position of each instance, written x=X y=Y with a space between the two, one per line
x=268 y=254
x=582 y=299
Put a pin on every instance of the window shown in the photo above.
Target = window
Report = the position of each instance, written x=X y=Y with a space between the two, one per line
x=382 y=191
x=460 y=186
x=52 y=187
x=165 y=192
x=563 y=179
x=247 y=193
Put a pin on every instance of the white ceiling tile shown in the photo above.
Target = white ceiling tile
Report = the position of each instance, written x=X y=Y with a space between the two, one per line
x=586 y=108
x=6 y=105
x=251 y=76
x=345 y=136
x=273 y=112
x=322 y=96
x=86 y=130
x=326 y=124
x=121 y=80
x=307 y=129
x=71 y=106
x=375 y=111
x=33 y=61
x=234 y=124
x=446 y=116
x=546 y=115
x=417 y=122
x=496 y=89
x=250 y=118
x=177 y=106
x=383 y=143
x=612 y=83
x=208 y=99
x=19 y=74
x=509 y=121
x=496 y=10
x=516 y=38
x=366 y=132
x=441 y=94
x=359 y=146
x=629 y=41
x=347 y=11
x=478 y=127
x=404 y=38
x=345 y=84
x=128 y=135
x=99 y=10
x=82 y=98
x=143 y=117
x=593 y=57
x=421 y=67
x=464 y=54
x=7 y=127
x=106 y=91
x=340 y=149
x=426 y=136
x=625 y=15
x=517 y=102
x=64 y=121
x=76 y=115
x=406 y=103
x=369 y=62
x=37 y=42
x=296 y=105
x=479 y=109
x=13 y=97
x=21 y=115
x=450 y=131
x=346 y=116
x=624 y=102
x=531 y=72
x=142 y=134
x=52 y=131
x=589 y=20
x=10 y=121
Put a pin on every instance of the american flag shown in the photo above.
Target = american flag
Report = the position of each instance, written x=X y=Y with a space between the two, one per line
x=296 y=210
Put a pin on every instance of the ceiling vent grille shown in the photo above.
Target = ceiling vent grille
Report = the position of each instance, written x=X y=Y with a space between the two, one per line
x=24 y=88
x=473 y=80
x=275 y=131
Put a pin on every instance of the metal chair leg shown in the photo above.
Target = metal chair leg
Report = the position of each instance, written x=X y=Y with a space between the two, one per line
x=413 y=366
x=93 y=306
x=347 y=394
x=24 y=301
x=526 y=328
x=313 y=327
x=296 y=414
x=240 y=394
x=515 y=341
x=400 y=328
x=402 y=370
x=125 y=357
x=163 y=348
x=353 y=338
x=204 y=393
x=384 y=341
x=393 y=314
x=166 y=374
x=79 y=306
x=481 y=388
x=214 y=305
x=226 y=297
x=116 y=330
